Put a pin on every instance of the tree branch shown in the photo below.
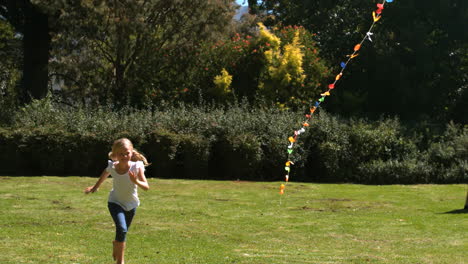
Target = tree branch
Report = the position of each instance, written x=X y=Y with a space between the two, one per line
x=106 y=54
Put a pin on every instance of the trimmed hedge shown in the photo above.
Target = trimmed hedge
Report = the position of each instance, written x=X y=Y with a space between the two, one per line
x=229 y=144
x=39 y=152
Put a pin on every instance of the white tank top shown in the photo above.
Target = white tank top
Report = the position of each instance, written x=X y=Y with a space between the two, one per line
x=124 y=192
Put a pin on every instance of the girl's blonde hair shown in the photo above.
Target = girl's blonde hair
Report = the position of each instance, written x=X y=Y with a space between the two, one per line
x=137 y=156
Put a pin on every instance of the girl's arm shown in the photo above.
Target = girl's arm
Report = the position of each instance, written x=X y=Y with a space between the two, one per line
x=139 y=179
x=94 y=188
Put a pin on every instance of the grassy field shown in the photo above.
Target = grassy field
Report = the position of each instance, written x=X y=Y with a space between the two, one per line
x=50 y=220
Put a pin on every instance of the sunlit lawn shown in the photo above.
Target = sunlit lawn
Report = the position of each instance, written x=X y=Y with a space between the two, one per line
x=50 y=220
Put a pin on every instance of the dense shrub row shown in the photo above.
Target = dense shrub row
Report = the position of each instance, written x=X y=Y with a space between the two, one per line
x=236 y=142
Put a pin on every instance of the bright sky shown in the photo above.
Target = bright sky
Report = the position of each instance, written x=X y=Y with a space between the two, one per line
x=240 y=2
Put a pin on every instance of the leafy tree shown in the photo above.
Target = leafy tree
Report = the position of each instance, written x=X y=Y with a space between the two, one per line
x=292 y=69
x=222 y=84
x=33 y=24
x=10 y=65
x=279 y=66
x=416 y=66
x=283 y=72
x=253 y=7
x=112 y=50
x=135 y=51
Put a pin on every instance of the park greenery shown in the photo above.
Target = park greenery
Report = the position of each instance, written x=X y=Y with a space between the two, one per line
x=207 y=96
x=50 y=220
x=233 y=142
x=211 y=101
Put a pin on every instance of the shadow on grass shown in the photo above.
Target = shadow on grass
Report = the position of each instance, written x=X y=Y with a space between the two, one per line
x=458 y=211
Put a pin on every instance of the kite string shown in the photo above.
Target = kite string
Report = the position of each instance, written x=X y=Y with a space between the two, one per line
x=376 y=17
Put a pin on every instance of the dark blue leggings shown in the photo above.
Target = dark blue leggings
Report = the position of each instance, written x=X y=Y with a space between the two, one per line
x=122 y=220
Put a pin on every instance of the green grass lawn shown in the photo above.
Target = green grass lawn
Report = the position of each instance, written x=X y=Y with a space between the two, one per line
x=50 y=220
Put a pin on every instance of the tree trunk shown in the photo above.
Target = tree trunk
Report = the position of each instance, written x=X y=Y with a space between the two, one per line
x=466 y=201
x=120 y=88
x=36 y=45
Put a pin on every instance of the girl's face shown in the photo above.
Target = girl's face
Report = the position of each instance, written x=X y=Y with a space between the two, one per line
x=123 y=154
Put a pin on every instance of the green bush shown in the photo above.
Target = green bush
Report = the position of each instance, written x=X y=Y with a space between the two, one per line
x=176 y=155
x=45 y=151
x=379 y=143
x=329 y=149
x=356 y=150
x=449 y=155
x=236 y=157
x=230 y=143
x=181 y=141
x=408 y=171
